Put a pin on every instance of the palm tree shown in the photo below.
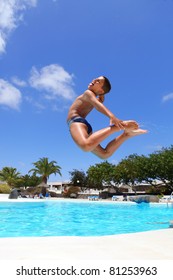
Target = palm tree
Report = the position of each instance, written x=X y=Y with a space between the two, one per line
x=9 y=175
x=45 y=168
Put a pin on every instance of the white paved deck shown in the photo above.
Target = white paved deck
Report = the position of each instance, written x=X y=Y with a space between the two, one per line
x=156 y=245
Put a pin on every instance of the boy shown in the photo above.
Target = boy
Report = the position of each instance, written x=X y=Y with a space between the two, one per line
x=81 y=130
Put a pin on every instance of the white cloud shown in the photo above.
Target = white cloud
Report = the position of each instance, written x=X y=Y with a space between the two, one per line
x=54 y=80
x=2 y=43
x=18 y=82
x=167 y=97
x=11 y=12
x=9 y=95
x=156 y=147
x=114 y=161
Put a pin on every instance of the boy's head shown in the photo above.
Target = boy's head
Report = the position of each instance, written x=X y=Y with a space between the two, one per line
x=107 y=85
x=100 y=85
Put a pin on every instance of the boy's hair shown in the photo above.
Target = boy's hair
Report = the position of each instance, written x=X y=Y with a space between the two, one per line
x=107 y=85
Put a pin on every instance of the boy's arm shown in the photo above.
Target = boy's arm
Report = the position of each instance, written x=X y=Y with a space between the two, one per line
x=91 y=98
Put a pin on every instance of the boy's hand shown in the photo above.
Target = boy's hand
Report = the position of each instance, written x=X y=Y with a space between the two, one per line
x=116 y=122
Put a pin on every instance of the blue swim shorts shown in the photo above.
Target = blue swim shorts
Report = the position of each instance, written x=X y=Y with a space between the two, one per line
x=80 y=120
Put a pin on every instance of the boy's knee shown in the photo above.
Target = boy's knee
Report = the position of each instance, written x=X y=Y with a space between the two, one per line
x=86 y=147
x=101 y=153
x=103 y=156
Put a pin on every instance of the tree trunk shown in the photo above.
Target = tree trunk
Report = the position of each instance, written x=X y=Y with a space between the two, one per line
x=44 y=180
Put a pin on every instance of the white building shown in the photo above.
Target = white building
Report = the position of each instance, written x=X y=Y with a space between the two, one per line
x=58 y=187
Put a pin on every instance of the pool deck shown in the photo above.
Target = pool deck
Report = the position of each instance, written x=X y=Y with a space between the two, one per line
x=151 y=245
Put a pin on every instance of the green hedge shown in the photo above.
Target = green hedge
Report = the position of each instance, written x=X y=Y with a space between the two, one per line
x=5 y=188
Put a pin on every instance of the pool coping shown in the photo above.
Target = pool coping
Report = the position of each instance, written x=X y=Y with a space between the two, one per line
x=156 y=245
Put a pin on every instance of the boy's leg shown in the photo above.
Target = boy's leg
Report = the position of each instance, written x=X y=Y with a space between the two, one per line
x=112 y=146
x=90 y=142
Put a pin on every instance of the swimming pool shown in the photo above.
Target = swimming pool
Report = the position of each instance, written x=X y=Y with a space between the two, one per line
x=61 y=218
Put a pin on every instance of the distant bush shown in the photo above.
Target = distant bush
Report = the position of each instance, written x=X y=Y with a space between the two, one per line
x=5 y=188
x=33 y=190
x=161 y=190
x=71 y=192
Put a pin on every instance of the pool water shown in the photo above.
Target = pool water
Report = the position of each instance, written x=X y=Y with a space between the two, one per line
x=59 y=218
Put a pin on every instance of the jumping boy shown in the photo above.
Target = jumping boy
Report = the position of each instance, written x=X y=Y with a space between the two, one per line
x=81 y=130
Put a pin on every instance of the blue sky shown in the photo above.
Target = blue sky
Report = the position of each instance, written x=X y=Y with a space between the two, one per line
x=51 y=50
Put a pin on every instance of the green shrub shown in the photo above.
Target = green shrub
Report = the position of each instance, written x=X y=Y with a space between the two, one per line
x=71 y=190
x=5 y=188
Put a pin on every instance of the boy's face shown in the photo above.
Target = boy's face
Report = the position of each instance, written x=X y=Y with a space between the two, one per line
x=96 y=85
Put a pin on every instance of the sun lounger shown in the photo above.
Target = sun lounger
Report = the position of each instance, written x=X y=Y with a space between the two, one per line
x=167 y=199
x=93 y=197
x=170 y=198
x=114 y=198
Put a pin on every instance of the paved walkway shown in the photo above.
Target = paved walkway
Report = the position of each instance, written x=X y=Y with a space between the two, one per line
x=154 y=245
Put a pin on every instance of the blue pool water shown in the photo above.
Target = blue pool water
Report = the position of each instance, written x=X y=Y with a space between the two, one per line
x=56 y=218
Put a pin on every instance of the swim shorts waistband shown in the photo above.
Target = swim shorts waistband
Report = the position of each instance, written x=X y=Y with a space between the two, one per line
x=80 y=120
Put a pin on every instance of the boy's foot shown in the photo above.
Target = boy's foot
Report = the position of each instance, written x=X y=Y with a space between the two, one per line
x=135 y=132
x=130 y=125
